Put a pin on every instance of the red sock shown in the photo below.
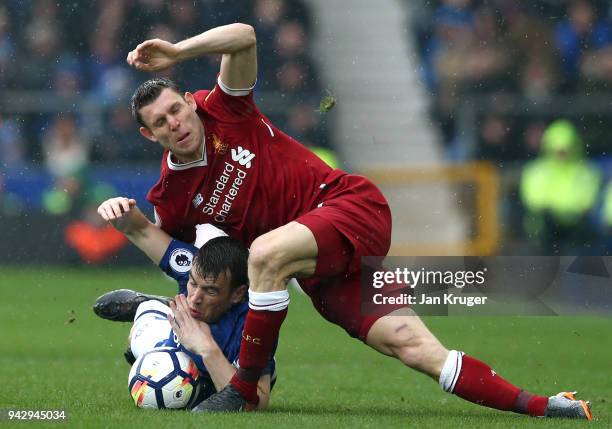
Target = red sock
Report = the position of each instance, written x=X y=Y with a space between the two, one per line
x=478 y=383
x=258 y=338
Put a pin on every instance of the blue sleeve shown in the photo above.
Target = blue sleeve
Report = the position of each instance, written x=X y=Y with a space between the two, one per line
x=176 y=262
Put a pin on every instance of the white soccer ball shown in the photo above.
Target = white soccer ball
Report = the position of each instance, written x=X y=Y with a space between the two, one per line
x=164 y=378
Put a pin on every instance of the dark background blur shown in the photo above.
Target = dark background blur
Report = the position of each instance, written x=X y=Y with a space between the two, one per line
x=499 y=76
x=67 y=138
x=500 y=73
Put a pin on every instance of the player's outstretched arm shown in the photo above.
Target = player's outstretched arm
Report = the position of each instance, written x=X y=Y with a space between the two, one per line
x=126 y=217
x=195 y=335
x=236 y=42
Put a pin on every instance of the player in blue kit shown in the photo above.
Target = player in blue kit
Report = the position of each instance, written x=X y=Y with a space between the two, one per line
x=206 y=319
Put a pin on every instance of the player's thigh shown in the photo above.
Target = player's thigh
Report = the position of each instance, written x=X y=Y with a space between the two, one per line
x=403 y=334
x=290 y=250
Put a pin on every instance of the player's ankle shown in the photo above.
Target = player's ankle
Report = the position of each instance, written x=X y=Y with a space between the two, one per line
x=245 y=382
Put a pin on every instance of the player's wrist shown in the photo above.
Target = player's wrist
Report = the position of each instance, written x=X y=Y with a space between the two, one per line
x=130 y=224
x=210 y=350
x=185 y=50
x=179 y=52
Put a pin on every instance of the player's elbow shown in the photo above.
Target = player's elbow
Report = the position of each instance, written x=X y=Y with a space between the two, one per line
x=247 y=33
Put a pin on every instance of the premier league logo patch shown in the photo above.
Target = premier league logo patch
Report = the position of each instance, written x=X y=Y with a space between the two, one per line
x=180 y=260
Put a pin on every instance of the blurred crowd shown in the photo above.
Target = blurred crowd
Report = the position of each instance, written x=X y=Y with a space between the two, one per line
x=65 y=89
x=65 y=93
x=522 y=67
x=536 y=50
x=68 y=48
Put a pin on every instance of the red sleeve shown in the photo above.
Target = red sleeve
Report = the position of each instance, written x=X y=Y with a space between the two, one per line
x=167 y=222
x=156 y=197
x=227 y=105
x=163 y=220
x=166 y=206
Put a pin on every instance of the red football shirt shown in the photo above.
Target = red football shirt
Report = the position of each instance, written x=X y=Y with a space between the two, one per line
x=251 y=179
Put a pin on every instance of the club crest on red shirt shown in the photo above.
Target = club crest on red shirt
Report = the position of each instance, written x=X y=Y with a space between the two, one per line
x=218 y=145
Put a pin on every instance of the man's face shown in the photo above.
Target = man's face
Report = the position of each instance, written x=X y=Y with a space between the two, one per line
x=172 y=121
x=210 y=298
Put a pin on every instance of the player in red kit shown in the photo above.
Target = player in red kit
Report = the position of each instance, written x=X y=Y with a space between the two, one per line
x=225 y=163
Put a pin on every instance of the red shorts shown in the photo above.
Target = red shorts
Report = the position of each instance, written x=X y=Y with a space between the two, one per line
x=353 y=221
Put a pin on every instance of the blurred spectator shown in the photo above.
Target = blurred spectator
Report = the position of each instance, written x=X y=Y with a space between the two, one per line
x=585 y=43
x=12 y=151
x=559 y=190
x=110 y=18
x=533 y=136
x=305 y=125
x=67 y=49
x=536 y=62
x=268 y=15
x=67 y=76
x=290 y=40
x=215 y=12
x=295 y=78
x=518 y=58
x=67 y=159
x=607 y=206
x=12 y=145
x=140 y=18
x=185 y=18
x=109 y=80
x=495 y=138
x=538 y=79
x=70 y=57
x=467 y=53
x=37 y=64
x=7 y=50
x=120 y=142
x=10 y=203
x=452 y=22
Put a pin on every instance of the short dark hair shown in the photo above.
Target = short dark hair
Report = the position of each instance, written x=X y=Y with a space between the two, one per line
x=222 y=254
x=148 y=92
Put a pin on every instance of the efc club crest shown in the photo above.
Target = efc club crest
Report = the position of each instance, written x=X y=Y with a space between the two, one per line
x=218 y=145
x=180 y=260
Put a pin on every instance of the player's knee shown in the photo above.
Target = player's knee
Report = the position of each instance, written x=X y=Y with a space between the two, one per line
x=265 y=258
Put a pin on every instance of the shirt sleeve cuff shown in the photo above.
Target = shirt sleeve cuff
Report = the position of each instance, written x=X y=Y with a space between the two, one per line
x=234 y=92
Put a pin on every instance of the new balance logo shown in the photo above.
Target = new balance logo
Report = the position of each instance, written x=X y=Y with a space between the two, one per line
x=243 y=156
x=197 y=200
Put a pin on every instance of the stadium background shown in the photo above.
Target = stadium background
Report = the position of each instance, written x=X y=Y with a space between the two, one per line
x=442 y=103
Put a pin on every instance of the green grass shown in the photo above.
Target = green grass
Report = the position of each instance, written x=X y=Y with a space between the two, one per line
x=326 y=379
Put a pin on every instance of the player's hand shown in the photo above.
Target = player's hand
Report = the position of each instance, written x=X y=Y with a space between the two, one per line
x=115 y=208
x=193 y=334
x=153 y=55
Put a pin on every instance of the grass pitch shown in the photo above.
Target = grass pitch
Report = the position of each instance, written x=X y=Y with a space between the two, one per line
x=55 y=353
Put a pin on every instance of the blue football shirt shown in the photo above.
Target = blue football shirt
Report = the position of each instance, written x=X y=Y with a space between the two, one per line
x=227 y=331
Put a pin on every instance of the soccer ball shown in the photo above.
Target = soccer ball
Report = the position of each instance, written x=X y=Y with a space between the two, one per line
x=164 y=378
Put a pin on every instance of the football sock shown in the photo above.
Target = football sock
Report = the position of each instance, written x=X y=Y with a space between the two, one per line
x=267 y=310
x=476 y=382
